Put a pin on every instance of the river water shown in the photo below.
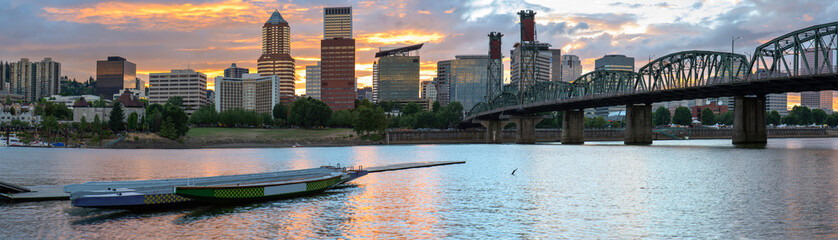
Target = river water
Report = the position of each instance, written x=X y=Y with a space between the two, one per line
x=691 y=189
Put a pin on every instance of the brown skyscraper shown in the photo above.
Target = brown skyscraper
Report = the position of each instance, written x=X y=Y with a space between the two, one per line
x=337 y=56
x=276 y=55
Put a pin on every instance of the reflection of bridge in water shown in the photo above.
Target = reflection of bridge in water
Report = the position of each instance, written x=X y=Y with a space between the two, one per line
x=798 y=61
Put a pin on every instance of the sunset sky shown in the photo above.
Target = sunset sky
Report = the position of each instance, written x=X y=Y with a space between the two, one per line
x=159 y=35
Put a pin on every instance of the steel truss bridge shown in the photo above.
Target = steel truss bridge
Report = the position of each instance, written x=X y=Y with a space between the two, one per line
x=798 y=61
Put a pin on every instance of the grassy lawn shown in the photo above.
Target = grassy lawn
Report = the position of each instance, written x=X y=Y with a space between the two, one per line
x=244 y=133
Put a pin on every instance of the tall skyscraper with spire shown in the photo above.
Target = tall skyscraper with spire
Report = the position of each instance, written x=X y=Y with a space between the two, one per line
x=276 y=55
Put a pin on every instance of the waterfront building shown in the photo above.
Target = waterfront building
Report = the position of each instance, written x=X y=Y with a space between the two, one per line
x=375 y=86
x=114 y=74
x=34 y=80
x=130 y=104
x=571 y=68
x=185 y=83
x=777 y=102
x=235 y=72
x=337 y=56
x=429 y=90
x=543 y=62
x=442 y=82
x=555 y=65
x=468 y=77
x=276 y=55
x=21 y=112
x=364 y=93
x=313 y=81
x=250 y=92
x=397 y=73
x=70 y=100
x=210 y=96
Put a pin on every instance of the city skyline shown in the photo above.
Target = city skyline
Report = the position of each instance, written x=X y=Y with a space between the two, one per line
x=210 y=35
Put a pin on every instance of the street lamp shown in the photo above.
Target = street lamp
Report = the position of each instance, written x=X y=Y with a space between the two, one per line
x=733 y=40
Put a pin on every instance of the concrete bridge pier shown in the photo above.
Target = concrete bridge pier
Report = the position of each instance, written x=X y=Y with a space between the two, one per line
x=573 y=127
x=749 y=120
x=494 y=130
x=525 y=129
x=638 y=124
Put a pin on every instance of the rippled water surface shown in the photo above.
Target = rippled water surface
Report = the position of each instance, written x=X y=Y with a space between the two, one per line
x=693 y=189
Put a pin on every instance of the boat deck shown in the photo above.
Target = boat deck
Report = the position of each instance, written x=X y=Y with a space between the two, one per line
x=59 y=192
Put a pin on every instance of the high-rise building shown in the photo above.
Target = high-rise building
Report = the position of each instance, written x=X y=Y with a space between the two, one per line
x=375 y=82
x=429 y=90
x=4 y=75
x=191 y=86
x=364 y=93
x=442 y=82
x=556 y=65
x=276 y=55
x=468 y=78
x=313 y=81
x=235 y=72
x=337 y=56
x=613 y=62
x=776 y=102
x=337 y=22
x=397 y=73
x=571 y=68
x=113 y=75
x=543 y=62
x=34 y=80
x=250 y=92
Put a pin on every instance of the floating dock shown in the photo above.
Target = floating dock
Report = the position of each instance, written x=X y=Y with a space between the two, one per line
x=15 y=193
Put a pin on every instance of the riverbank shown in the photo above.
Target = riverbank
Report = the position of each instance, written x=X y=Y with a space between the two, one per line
x=245 y=138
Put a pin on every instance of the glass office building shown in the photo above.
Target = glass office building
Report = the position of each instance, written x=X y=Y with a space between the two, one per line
x=468 y=77
x=398 y=78
x=113 y=75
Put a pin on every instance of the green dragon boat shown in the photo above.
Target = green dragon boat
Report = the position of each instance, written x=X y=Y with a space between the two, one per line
x=259 y=191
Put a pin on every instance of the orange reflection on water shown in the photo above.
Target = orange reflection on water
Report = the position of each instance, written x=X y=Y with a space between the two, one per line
x=401 y=204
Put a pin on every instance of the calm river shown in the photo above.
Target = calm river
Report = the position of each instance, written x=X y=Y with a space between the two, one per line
x=692 y=189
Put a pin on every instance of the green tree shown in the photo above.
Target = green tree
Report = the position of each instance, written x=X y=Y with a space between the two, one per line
x=132 y=121
x=280 y=111
x=773 y=118
x=708 y=117
x=178 y=118
x=682 y=116
x=342 y=118
x=662 y=116
x=205 y=116
x=12 y=111
x=266 y=119
x=116 y=123
x=436 y=107
x=832 y=120
x=49 y=125
x=309 y=112
x=726 y=118
x=802 y=114
x=791 y=119
x=175 y=101
x=168 y=130
x=84 y=125
x=450 y=115
x=411 y=108
x=370 y=121
x=598 y=122
x=818 y=116
x=365 y=103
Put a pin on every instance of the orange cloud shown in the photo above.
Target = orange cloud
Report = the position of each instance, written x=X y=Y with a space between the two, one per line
x=127 y=15
x=401 y=37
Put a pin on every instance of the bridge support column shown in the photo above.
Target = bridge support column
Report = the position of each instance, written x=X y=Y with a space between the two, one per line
x=494 y=130
x=749 y=120
x=573 y=127
x=638 y=124
x=525 y=129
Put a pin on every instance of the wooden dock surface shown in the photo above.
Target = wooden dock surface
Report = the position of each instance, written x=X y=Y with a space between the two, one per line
x=56 y=192
x=403 y=166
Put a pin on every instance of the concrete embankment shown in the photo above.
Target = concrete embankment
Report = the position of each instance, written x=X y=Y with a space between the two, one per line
x=554 y=135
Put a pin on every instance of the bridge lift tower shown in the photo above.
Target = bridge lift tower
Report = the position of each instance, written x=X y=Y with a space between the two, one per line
x=495 y=78
x=528 y=52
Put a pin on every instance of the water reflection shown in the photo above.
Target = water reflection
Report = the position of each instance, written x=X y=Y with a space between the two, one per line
x=672 y=189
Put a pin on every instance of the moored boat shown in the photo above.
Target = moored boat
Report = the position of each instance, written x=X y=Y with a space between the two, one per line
x=248 y=192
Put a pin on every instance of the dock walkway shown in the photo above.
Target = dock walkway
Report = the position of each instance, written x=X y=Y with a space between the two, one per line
x=14 y=193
